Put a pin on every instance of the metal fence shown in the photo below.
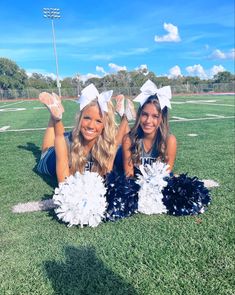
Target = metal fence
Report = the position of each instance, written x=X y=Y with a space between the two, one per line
x=32 y=93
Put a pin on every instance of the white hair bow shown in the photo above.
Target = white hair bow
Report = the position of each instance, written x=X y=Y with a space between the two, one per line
x=149 y=88
x=90 y=93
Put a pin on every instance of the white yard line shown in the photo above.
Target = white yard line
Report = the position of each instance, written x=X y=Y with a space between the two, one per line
x=200 y=101
x=212 y=104
x=13 y=103
x=209 y=183
x=203 y=119
x=213 y=115
x=224 y=93
x=39 y=108
x=32 y=129
x=178 y=118
x=34 y=206
x=13 y=110
x=4 y=128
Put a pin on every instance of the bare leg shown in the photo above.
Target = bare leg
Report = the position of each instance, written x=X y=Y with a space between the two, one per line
x=120 y=106
x=61 y=149
x=49 y=136
x=123 y=129
x=130 y=110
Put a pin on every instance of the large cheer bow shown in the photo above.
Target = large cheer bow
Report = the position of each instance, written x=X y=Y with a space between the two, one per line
x=90 y=93
x=149 y=88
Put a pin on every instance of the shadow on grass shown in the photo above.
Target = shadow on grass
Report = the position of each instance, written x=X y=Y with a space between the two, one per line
x=36 y=151
x=84 y=274
x=51 y=212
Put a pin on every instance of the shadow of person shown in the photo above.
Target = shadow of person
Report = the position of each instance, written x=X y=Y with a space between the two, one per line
x=32 y=147
x=36 y=151
x=84 y=274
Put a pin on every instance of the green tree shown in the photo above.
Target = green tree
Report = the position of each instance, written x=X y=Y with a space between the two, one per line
x=191 y=80
x=39 y=81
x=11 y=75
x=137 y=78
x=223 y=77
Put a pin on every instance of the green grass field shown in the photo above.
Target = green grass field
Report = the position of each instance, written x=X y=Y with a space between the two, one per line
x=156 y=254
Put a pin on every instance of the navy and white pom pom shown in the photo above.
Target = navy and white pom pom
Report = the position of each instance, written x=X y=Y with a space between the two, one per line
x=81 y=199
x=151 y=182
x=185 y=196
x=122 y=196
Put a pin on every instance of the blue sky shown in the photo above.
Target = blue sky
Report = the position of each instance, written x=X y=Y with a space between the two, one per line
x=94 y=38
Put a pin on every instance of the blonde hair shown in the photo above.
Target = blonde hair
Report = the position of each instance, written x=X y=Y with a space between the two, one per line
x=136 y=134
x=102 y=152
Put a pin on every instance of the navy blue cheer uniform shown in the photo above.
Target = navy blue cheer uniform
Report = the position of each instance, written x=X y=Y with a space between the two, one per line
x=47 y=162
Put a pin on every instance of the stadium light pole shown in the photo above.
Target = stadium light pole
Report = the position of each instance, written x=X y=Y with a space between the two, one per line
x=54 y=13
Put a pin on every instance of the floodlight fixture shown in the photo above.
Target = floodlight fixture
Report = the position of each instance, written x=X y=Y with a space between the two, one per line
x=51 y=13
x=54 y=13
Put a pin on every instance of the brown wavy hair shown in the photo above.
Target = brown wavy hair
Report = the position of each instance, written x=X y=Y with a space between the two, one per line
x=104 y=149
x=136 y=134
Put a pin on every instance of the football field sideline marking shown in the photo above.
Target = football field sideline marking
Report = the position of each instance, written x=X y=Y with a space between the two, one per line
x=174 y=120
x=32 y=129
x=215 y=104
x=202 y=119
x=2 y=107
x=178 y=118
x=202 y=103
x=39 y=108
x=214 y=115
x=12 y=109
x=4 y=128
x=13 y=103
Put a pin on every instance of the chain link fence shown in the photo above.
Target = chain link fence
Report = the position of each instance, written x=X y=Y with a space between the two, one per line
x=32 y=93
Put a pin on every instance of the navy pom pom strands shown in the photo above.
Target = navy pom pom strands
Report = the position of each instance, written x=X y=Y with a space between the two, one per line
x=122 y=197
x=185 y=195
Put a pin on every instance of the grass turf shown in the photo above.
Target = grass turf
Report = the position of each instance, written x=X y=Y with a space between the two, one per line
x=156 y=254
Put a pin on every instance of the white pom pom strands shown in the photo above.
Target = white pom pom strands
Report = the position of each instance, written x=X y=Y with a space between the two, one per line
x=151 y=184
x=81 y=199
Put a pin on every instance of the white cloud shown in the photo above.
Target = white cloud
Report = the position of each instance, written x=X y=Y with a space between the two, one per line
x=218 y=54
x=143 y=69
x=102 y=56
x=84 y=78
x=29 y=74
x=197 y=70
x=100 y=69
x=215 y=70
x=174 y=72
x=231 y=54
x=116 y=68
x=172 y=36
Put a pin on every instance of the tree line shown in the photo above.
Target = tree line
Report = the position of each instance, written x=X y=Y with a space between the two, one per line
x=14 y=77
